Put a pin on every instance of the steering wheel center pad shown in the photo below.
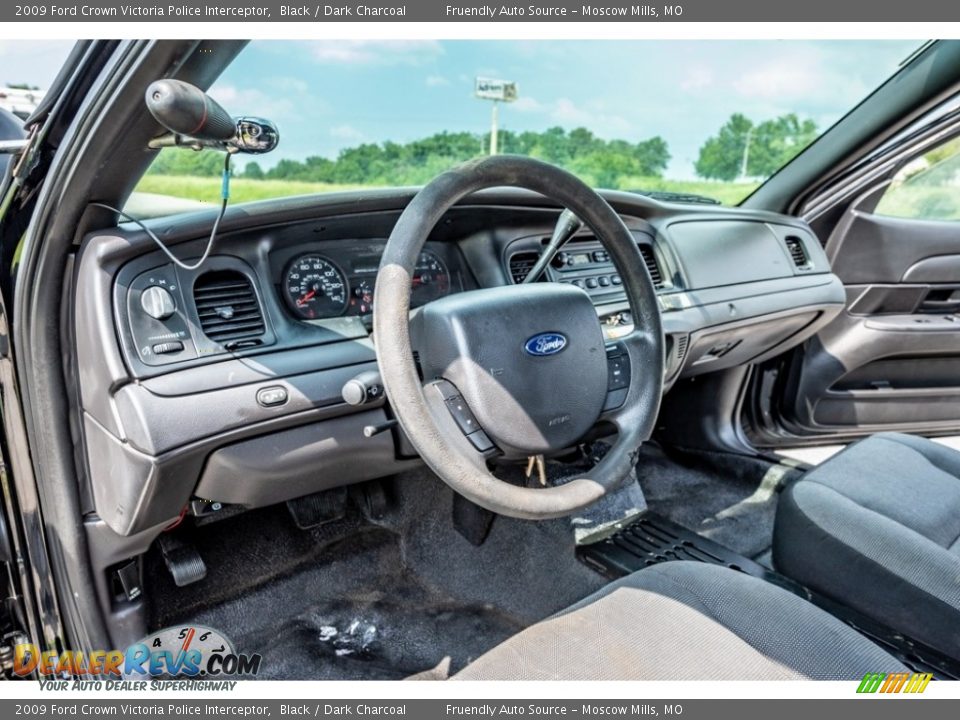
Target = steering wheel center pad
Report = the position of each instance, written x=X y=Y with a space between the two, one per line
x=529 y=360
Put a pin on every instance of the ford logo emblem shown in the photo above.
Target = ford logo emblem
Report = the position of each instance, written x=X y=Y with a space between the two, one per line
x=545 y=344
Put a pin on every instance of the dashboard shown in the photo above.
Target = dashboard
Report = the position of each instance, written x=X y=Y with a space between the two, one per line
x=222 y=385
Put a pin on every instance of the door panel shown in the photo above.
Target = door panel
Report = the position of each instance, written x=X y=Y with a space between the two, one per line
x=891 y=360
x=883 y=249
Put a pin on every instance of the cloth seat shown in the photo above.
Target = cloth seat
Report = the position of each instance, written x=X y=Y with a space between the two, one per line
x=877 y=528
x=685 y=621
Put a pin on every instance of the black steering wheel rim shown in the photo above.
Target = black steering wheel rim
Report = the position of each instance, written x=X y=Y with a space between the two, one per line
x=447 y=454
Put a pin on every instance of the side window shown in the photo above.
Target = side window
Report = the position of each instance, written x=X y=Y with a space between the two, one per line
x=926 y=188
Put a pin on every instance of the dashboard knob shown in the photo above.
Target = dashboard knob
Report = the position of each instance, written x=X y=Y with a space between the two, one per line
x=157 y=302
x=365 y=387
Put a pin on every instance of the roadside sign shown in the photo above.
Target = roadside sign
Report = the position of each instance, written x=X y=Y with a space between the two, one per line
x=499 y=90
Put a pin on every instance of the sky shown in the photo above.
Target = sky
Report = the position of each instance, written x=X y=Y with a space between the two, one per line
x=327 y=95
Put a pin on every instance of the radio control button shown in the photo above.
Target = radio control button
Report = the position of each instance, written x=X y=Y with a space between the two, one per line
x=618 y=372
x=461 y=413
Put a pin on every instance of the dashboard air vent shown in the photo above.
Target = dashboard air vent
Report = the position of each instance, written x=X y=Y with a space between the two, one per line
x=227 y=306
x=521 y=263
x=798 y=253
x=652 y=267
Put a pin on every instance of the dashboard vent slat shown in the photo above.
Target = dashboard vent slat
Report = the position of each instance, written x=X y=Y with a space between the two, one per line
x=227 y=306
x=521 y=263
x=798 y=253
x=650 y=260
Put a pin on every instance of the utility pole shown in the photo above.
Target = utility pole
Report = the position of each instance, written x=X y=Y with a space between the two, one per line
x=498 y=91
x=746 y=152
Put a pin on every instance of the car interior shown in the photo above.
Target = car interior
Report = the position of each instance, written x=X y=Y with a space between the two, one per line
x=504 y=426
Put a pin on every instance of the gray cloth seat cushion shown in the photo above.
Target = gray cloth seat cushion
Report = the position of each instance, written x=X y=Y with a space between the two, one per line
x=685 y=621
x=877 y=528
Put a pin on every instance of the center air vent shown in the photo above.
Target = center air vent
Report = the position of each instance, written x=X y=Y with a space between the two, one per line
x=227 y=307
x=650 y=260
x=798 y=253
x=521 y=263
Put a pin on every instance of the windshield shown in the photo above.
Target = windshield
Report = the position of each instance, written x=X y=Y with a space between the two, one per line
x=689 y=121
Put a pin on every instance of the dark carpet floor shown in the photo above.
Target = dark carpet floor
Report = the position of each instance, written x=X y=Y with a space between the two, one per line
x=388 y=598
x=728 y=498
x=355 y=599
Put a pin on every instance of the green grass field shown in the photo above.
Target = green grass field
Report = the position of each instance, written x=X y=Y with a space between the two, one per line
x=207 y=189
x=728 y=193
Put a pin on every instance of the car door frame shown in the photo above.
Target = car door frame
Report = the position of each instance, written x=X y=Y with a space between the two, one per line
x=783 y=395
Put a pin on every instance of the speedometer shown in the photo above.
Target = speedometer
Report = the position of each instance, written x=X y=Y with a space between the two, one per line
x=314 y=287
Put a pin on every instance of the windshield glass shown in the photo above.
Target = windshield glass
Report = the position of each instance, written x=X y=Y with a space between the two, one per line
x=704 y=121
x=26 y=70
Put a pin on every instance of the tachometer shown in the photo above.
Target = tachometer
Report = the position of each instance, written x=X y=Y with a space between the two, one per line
x=431 y=279
x=315 y=288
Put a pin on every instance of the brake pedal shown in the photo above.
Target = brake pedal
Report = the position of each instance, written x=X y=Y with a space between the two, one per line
x=182 y=560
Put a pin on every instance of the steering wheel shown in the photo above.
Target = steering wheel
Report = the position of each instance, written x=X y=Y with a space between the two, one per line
x=518 y=370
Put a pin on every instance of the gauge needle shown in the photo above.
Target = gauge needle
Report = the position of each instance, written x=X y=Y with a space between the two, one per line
x=307 y=298
x=187 y=640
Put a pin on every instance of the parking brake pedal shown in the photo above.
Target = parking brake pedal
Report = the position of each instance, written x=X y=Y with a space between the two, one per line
x=182 y=560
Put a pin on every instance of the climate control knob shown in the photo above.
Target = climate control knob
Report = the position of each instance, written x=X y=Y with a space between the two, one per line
x=157 y=302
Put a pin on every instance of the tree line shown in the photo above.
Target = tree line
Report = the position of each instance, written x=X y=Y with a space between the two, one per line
x=739 y=149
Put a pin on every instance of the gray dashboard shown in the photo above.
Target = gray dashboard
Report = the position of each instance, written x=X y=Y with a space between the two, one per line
x=246 y=408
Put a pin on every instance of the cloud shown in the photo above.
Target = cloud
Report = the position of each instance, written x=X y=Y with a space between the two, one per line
x=346 y=132
x=697 y=78
x=566 y=110
x=252 y=101
x=813 y=77
x=779 y=80
x=375 y=52
x=526 y=105
x=594 y=116
x=436 y=81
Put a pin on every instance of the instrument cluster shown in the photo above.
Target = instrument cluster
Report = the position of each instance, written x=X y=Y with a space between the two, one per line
x=340 y=280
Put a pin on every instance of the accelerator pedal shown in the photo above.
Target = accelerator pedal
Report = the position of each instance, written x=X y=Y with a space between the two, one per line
x=182 y=560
